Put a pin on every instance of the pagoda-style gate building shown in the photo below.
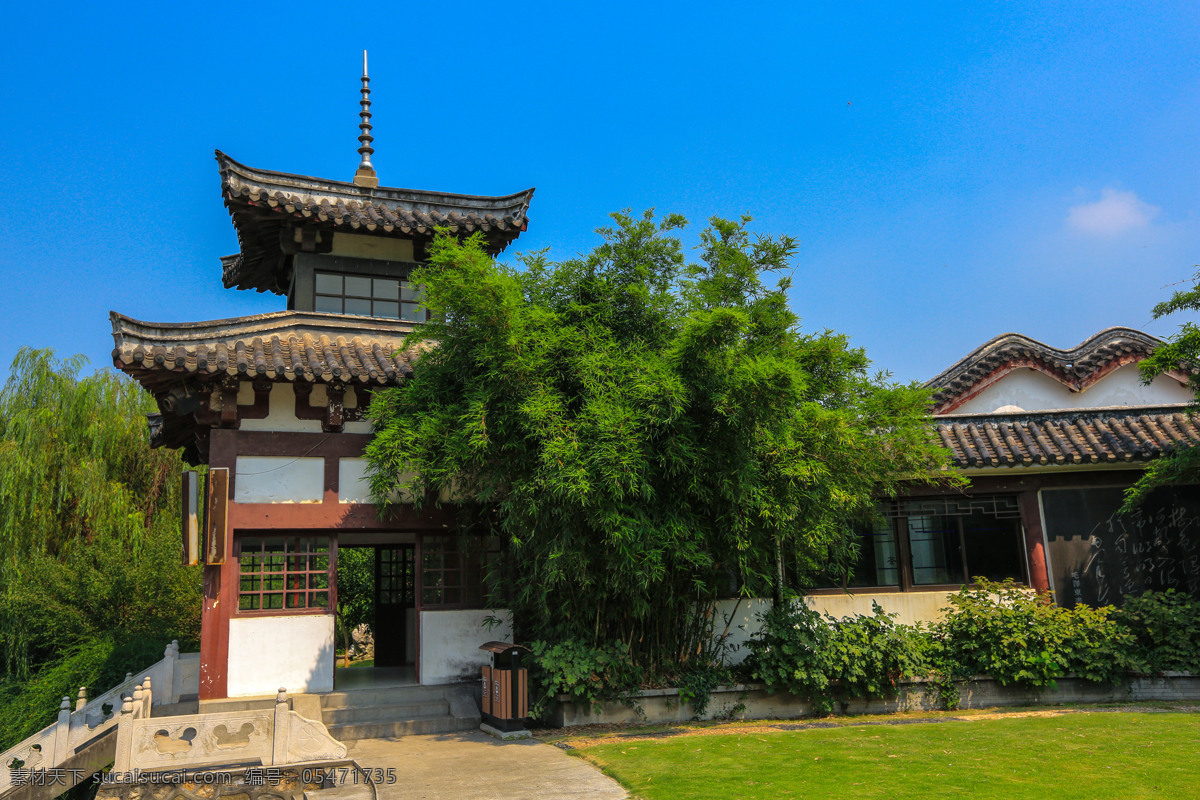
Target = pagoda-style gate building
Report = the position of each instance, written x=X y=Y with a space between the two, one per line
x=278 y=400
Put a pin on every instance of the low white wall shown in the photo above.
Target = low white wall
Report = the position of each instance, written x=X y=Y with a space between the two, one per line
x=912 y=607
x=274 y=479
x=741 y=617
x=754 y=702
x=450 y=643
x=266 y=653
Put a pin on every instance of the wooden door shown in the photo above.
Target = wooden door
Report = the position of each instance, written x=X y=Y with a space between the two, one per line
x=395 y=574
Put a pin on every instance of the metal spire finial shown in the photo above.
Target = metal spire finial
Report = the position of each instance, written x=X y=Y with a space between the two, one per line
x=365 y=175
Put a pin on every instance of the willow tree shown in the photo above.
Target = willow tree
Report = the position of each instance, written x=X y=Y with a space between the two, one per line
x=89 y=542
x=646 y=434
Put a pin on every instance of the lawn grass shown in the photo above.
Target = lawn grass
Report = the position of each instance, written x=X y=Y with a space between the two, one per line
x=1084 y=756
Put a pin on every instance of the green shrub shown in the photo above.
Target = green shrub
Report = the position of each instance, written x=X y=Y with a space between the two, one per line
x=870 y=654
x=1098 y=648
x=790 y=652
x=1165 y=628
x=586 y=674
x=821 y=658
x=1017 y=636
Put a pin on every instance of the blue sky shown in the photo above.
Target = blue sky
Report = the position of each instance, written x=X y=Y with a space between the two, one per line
x=952 y=171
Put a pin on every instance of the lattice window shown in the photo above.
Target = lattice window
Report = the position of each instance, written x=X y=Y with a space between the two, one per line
x=369 y=297
x=999 y=506
x=452 y=573
x=284 y=574
x=396 y=576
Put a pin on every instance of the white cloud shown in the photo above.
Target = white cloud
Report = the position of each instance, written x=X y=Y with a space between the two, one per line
x=1115 y=212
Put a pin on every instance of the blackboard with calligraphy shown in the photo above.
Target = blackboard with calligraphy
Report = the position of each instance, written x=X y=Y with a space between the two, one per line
x=1099 y=556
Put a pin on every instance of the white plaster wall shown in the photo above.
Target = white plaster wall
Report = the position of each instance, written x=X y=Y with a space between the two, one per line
x=279 y=479
x=355 y=487
x=742 y=617
x=364 y=246
x=282 y=409
x=266 y=653
x=912 y=607
x=1123 y=387
x=450 y=643
x=1034 y=391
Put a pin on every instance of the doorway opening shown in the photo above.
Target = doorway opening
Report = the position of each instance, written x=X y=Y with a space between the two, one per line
x=377 y=615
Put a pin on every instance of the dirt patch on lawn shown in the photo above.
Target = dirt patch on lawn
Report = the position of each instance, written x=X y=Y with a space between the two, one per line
x=592 y=735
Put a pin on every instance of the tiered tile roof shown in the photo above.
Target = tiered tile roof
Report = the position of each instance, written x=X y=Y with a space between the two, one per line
x=283 y=346
x=263 y=203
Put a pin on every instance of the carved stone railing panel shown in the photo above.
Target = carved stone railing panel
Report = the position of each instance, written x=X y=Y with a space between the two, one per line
x=194 y=740
x=271 y=737
x=309 y=740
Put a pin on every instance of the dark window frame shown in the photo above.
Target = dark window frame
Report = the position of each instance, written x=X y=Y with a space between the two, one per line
x=898 y=513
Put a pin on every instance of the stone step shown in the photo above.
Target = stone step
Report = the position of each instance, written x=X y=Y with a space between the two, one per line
x=385 y=713
x=232 y=705
x=390 y=695
x=352 y=732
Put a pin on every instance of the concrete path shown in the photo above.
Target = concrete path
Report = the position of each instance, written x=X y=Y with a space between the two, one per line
x=456 y=766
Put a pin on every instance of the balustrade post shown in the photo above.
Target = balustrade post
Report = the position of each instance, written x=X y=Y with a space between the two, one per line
x=138 y=697
x=124 y=738
x=281 y=729
x=147 y=698
x=62 y=734
x=169 y=689
x=81 y=701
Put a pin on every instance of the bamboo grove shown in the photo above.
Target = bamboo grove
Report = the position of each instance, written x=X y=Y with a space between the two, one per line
x=644 y=434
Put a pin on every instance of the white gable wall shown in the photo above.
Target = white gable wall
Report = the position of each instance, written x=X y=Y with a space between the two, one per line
x=1031 y=390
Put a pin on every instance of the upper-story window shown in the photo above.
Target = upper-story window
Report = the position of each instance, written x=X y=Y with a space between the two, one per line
x=368 y=297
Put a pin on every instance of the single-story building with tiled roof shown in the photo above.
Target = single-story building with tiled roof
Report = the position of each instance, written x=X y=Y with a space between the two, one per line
x=1049 y=439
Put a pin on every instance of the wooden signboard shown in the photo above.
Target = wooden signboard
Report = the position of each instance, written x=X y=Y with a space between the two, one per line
x=217 y=533
x=190 y=517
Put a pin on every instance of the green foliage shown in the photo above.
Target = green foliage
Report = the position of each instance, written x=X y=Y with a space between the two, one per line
x=99 y=664
x=871 y=654
x=642 y=432
x=355 y=591
x=790 y=652
x=1165 y=627
x=91 y=584
x=1020 y=637
x=821 y=658
x=697 y=684
x=1000 y=630
x=1004 y=631
x=1181 y=352
x=586 y=674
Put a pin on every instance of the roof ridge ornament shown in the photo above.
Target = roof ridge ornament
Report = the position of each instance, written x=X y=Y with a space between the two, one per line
x=365 y=174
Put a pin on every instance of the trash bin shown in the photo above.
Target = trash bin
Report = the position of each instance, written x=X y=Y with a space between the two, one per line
x=505 y=693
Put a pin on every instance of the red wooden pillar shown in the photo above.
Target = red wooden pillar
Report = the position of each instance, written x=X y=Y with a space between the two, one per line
x=220 y=588
x=1035 y=548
